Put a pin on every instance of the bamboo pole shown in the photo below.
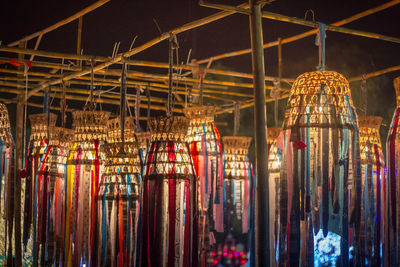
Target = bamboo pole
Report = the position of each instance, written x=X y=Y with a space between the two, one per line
x=303 y=22
x=142 y=63
x=61 y=23
x=375 y=73
x=306 y=34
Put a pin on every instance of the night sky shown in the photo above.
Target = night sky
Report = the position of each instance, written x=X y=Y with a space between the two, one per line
x=122 y=20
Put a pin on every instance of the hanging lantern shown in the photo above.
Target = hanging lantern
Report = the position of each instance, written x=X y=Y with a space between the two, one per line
x=36 y=186
x=206 y=150
x=143 y=139
x=320 y=168
x=6 y=186
x=237 y=179
x=118 y=197
x=392 y=231
x=169 y=196
x=85 y=164
x=274 y=166
x=373 y=177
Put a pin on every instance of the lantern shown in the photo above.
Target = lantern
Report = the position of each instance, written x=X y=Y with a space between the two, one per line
x=237 y=179
x=36 y=186
x=118 y=197
x=169 y=196
x=392 y=231
x=320 y=168
x=274 y=164
x=206 y=150
x=85 y=163
x=373 y=177
x=6 y=185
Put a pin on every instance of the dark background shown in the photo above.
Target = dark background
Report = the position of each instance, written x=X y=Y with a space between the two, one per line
x=121 y=20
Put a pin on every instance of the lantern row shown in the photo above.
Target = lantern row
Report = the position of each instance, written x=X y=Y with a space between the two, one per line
x=176 y=197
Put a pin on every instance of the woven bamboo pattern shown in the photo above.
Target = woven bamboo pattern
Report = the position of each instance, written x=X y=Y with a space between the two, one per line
x=39 y=125
x=273 y=157
x=5 y=134
x=369 y=136
x=236 y=149
x=173 y=128
x=90 y=125
x=396 y=83
x=318 y=95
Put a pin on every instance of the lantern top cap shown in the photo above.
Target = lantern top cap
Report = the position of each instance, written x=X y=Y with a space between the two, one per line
x=369 y=122
x=61 y=134
x=196 y=112
x=396 y=83
x=89 y=118
x=41 y=119
x=114 y=124
x=169 y=125
x=273 y=133
x=309 y=83
x=236 y=142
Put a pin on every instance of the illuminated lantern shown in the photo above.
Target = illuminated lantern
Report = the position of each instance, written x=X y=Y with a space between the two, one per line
x=237 y=179
x=118 y=197
x=6 y=185
x=373 y=185
x=169 y=196
x=85 y=164
x=274 y=168
x=320 y=169
x=36 y=186
x=392 y=231
x=206 y=150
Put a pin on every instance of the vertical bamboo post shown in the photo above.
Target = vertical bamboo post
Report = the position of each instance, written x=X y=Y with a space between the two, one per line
x=262 y=191
x=18 y=166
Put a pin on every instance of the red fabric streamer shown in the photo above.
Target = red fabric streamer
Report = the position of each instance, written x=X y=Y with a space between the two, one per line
x=14 y=63
x=392 y=165
x=299 y=144
x=171 y=205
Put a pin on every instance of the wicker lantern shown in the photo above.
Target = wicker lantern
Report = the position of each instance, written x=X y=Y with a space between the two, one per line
x=36 y=185
x=237 y=179
x=169 y=194
x=206 y=150
x=85 y=164
x=392 y=231
x=373 y=177
x=320 y=166
x=6 y=181
x=118 y=197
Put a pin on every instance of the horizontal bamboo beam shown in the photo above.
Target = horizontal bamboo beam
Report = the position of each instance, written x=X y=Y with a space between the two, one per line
x=305 y=34
x=61 y=23
x=142 y=63
x=375 y=73
x=131 y=52
x=303 y=22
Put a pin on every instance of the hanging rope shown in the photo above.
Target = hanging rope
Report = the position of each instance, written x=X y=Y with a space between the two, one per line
x=236 y=118
x=274 y=94
x=63 y=104
x=173 y=44
x=148 y=106
x=123 y=103
x=48 y=113
x=25 y=114
x=321 y=46
x=137 y=106
x=364 y=93
x=91 y=105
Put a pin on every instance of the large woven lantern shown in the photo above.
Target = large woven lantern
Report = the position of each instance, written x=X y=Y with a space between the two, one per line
x=237 y=179
x=206 y=150
x=169 y=196
x=373 y=177
x=118 y=196
x=85 y=164
x=274 y=168
x=392 y=232
x=320 y=166
x=36 y=185
x=6 y=182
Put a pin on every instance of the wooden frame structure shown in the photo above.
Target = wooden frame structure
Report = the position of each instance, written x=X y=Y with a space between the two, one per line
x=32 y=77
